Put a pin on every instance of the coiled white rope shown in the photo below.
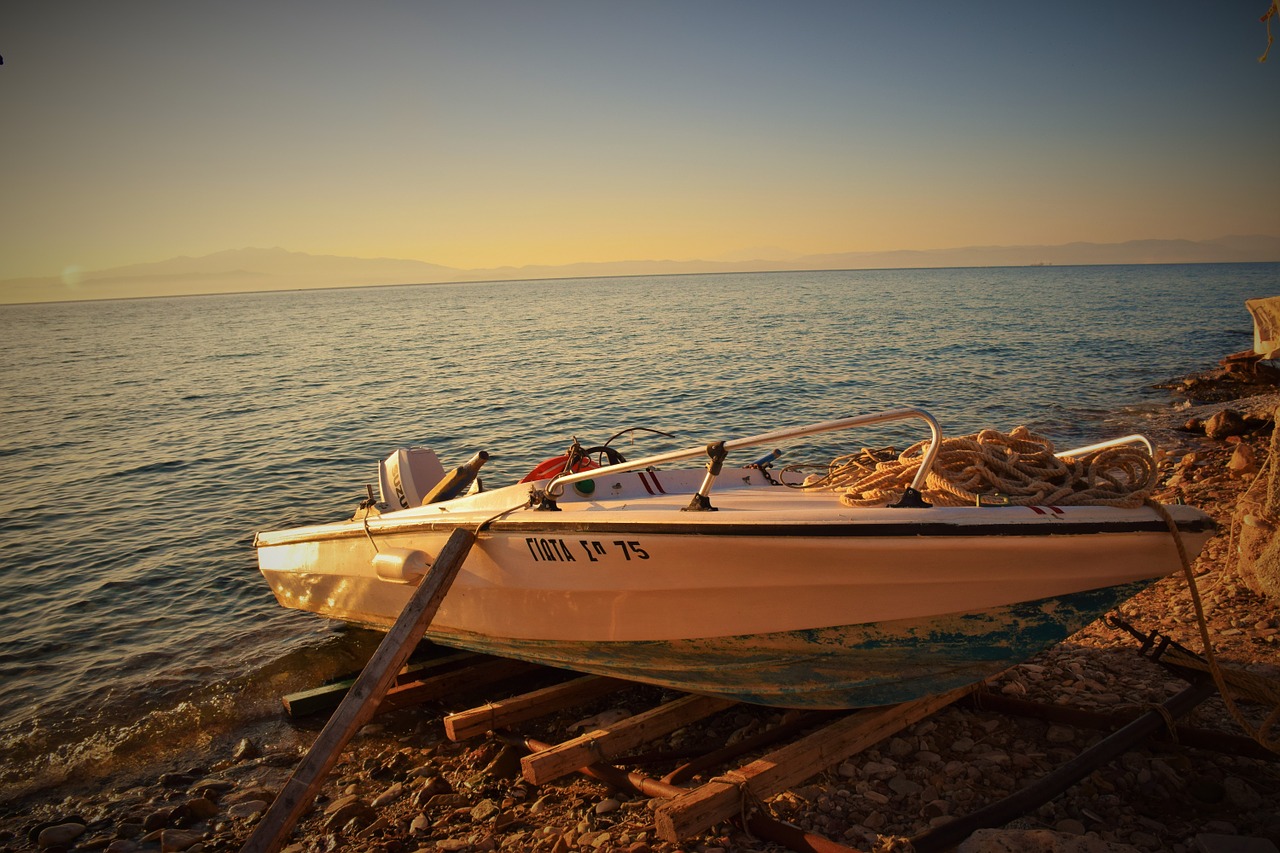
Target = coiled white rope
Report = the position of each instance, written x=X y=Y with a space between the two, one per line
x=1017 y=468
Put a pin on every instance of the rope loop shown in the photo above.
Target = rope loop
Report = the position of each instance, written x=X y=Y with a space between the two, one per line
x=1017 y=468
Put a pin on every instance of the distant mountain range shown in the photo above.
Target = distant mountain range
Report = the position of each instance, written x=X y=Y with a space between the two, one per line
x=244 y=270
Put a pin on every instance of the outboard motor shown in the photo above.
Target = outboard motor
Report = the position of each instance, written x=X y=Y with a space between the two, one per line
x=407 y=475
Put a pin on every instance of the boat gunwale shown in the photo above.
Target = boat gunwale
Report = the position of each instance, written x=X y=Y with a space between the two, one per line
x=1055 y=526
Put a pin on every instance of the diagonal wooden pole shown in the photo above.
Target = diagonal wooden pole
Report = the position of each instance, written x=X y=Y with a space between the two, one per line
x=362 y=700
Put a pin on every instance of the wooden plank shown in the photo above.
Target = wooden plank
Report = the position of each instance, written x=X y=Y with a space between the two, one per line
x=528 y=706
x=721 y=798
x=480 y=675
x=793 y=724
x=326 y=697
x=359 y=704
x=603 y=744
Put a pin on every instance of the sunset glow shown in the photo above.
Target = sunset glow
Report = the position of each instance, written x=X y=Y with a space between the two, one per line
x=482 y=135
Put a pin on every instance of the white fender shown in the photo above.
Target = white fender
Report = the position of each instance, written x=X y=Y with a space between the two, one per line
x=401 y=565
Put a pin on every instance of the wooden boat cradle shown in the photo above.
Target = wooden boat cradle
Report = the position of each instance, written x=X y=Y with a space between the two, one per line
x=812 y=742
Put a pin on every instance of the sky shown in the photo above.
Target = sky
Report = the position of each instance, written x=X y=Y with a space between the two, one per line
x=477 y=134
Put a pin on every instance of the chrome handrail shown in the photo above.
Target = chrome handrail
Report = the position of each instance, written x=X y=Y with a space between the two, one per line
x=1103 y=445
x=556 y=486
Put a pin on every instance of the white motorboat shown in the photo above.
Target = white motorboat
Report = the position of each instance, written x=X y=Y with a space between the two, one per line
x=719 y=580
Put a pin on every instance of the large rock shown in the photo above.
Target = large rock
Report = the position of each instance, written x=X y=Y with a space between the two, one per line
x=57 y=836
x=1225 y=424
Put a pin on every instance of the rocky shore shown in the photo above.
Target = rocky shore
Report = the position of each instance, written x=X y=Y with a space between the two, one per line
x=400 y=786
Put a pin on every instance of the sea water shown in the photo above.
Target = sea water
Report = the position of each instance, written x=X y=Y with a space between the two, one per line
x=143 y=442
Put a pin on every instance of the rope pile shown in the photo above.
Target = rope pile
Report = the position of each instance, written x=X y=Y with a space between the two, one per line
x=993 y=468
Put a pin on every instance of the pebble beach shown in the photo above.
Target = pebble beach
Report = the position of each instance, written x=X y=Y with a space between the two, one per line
x=401 y=786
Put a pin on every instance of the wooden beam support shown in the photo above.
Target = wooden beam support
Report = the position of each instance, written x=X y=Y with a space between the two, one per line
x=759 y=823
x=480 y=675
x=602 y=745
x=326 y=697
x=529 y=706
x=721 y=798
x=358 y=706
x=794 y=723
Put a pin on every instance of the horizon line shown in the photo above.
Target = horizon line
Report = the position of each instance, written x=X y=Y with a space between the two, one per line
x=1037 y=266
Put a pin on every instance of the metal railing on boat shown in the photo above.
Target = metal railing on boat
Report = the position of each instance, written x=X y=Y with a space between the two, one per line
x=556 y=486
x=1104 y=445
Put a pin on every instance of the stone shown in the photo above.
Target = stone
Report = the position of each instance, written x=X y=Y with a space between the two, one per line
x=1060 y=734
x=1240 y=794
x=607 y=806
x=484 y=810
x=876 y=797
x=935 y=808
x=246 y=810
x=1144 y=840
x=1224 y=424
x=212 y=787
x=389 y=796
x=453 y=844
x=177 y=840
x=245 y=750
x=1206 y=790
x=505 y=765
x=57 y=836
x=345 y=810
x=201 y=808
x=447 y=801
x=251 y=793
x=903 y=787
x=1243 y=462
x=176 y=780
x=1208 y=842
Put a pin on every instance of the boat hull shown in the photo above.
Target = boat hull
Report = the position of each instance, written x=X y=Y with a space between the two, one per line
x=846 y=666
x=778 y=598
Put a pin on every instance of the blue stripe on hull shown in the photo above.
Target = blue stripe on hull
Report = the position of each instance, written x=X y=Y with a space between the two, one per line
x=839 y=667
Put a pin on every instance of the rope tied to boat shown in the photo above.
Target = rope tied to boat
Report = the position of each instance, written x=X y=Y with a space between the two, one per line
x=1231 y=683
x=992 y=468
